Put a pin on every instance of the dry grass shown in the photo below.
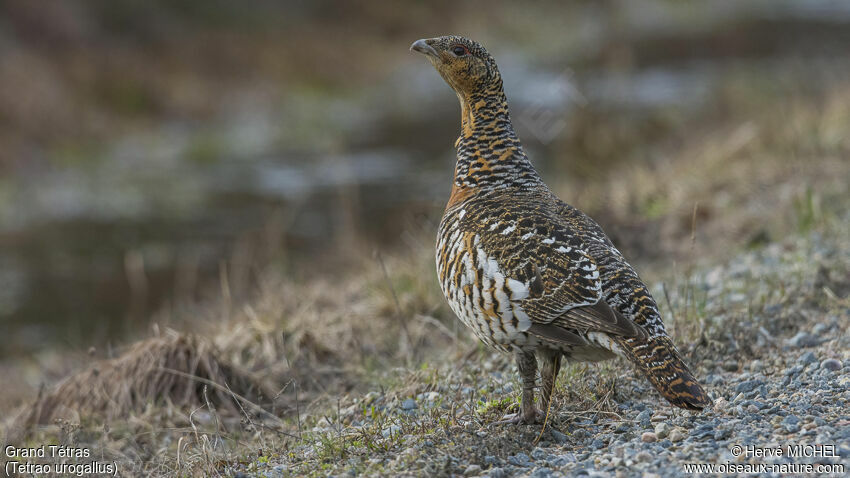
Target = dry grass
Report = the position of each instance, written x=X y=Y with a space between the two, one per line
x=755 y=179
x=172 y=368
x=289 y=368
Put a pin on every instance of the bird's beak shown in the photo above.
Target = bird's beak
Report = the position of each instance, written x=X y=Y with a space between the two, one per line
x=423 y=47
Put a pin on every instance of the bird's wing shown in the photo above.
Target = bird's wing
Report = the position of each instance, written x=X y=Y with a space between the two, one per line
x=569 y=296
x=561 y=279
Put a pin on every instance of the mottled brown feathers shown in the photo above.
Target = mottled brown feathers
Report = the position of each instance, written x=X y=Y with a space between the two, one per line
x=528 y=273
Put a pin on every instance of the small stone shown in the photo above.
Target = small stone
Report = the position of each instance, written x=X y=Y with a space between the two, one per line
x=429 y=397
x=643 y=457
x=541 y=473
x=538 y=453
x=662 y=430
x=562 y=460
x=821 y=328
x=391 y=430
x=644 y=417
x=472 y=470
x=752 y=408
x=730 y=366
x=803 y=339
x=497 y=473
x=831 y=365
x=558 y=436
x=794 y=370
x=648 y=437
x=520 y=459
x=409 y=404
x=623 y=427
x=490 y=460
x=677 y=435
x=791 y=423
x=747 y=386
x=807 y=358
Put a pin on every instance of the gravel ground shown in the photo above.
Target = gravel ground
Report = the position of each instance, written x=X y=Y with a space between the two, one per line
x=770 y=342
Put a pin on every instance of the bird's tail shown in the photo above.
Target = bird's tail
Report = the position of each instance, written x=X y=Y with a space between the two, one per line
x=659 y=360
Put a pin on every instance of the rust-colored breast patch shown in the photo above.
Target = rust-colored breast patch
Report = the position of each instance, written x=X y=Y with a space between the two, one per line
x=458 y=195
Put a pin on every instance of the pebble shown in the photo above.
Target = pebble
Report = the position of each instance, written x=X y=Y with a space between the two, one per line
x=409 y=404
x=561 y=460
x=558 y=436
x=643 y=457
x=662 y=430
x=677 y=435
x=807 y=358
x=648 y=437
x=520 y=459
x=429 y=396
x=497 y=473
x=539 y=454
x=791 y=423
x=472 y=470
x=803 y=339
x=831 y=364
x=747 y=386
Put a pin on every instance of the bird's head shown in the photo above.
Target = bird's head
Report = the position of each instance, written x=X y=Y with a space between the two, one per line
x=464 y=64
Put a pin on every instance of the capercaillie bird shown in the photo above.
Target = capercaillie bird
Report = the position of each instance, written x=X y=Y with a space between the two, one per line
x=528 y=273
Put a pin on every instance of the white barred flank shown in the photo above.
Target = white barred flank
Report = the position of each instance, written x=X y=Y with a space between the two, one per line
x=489 y=307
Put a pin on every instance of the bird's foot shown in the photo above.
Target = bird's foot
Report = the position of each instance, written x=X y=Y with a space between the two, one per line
x=528 y=417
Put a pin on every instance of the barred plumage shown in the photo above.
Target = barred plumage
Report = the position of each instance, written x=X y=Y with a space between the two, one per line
x=528 y=273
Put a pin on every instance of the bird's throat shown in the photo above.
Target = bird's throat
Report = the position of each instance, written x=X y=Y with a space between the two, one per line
x=489 y=153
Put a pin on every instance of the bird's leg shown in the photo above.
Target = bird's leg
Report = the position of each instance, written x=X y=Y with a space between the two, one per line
x=548 y=375
x=528 y=413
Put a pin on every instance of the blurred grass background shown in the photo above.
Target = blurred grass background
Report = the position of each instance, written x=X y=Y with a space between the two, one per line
x=158 y=154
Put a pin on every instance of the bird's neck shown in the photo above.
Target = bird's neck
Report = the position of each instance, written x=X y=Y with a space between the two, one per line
x=489 y=153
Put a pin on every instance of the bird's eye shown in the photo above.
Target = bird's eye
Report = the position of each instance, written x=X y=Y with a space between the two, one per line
x=460 y=50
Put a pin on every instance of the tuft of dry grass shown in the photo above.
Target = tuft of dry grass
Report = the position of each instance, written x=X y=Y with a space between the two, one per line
x=170 y=368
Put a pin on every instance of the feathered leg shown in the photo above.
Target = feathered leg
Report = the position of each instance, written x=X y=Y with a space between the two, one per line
x=548 y=375
x=528 y=413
